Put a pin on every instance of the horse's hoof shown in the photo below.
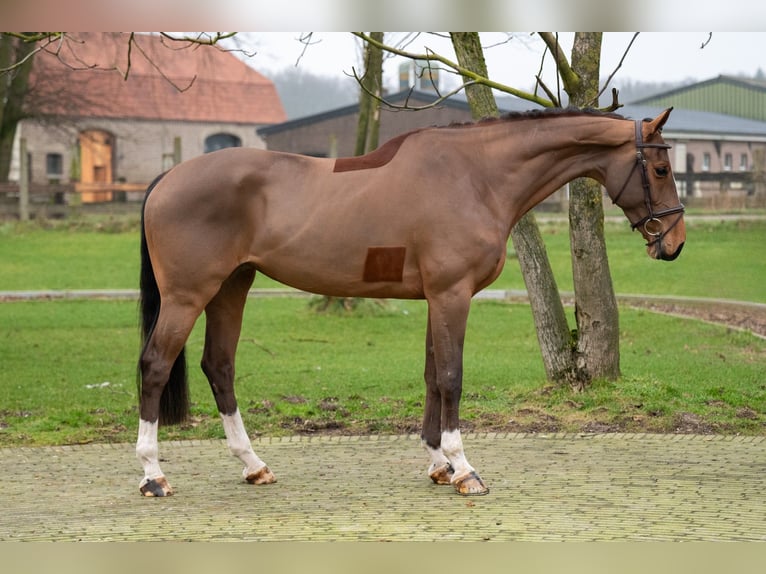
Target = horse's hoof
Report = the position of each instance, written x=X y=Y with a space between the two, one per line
x=470 y=485
x=442 y=474
x=263 y=476
x=156 y=487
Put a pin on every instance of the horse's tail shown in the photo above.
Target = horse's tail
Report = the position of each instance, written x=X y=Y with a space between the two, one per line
x=174 y=403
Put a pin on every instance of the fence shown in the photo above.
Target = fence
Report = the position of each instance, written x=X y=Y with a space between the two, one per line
x=56 y=201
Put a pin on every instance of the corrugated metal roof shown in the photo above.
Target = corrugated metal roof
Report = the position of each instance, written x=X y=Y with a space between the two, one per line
x=683 y=121
x=725 y=94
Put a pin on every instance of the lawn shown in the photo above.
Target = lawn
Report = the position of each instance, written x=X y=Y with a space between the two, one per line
x=721 y=259
x=69 y=366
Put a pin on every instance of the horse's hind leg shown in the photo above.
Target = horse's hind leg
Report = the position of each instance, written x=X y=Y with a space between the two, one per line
x=167 y=340
x=224 y=322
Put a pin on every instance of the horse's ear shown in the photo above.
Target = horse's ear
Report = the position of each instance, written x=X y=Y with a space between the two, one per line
x=655 y=126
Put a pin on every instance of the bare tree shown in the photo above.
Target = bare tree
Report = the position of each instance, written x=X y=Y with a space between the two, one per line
x=592 y=349
x=597 y=339
x=16 y=56
x=552 y=329
x=368 y=129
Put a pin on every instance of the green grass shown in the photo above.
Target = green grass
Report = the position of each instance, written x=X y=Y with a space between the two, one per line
x=68 y=367
x=720 y=260
x=301 y=372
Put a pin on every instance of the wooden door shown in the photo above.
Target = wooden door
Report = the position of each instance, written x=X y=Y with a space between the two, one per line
x=96 y=163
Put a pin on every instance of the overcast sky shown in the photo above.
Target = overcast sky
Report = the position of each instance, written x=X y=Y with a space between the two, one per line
x=654 y=57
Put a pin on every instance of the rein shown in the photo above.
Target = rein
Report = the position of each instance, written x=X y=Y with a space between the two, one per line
x=652 y=224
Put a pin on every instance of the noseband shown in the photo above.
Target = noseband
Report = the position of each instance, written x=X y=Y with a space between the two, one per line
x=652 y=224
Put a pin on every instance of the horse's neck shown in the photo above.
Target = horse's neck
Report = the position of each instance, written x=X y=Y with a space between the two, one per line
x=531 y=159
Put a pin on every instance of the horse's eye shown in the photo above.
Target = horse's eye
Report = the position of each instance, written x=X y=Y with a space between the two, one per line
x=661 y=171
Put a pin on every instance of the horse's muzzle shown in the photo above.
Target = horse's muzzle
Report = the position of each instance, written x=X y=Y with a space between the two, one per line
x=670 y=256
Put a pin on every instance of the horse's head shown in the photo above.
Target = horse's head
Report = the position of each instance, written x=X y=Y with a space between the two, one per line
x=644 y=188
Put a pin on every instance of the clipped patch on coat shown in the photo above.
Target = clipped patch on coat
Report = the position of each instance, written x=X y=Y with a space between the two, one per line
x=384 y=264
x=376 y=158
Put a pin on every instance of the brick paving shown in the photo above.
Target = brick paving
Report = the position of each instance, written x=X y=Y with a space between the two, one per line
x=542 y=487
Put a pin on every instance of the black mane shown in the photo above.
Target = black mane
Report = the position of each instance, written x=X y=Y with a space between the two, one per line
x=538 y=114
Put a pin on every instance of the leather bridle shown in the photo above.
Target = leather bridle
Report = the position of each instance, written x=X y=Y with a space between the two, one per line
x=651 y=223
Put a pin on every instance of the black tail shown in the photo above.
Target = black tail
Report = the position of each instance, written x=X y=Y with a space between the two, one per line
x=174 y=403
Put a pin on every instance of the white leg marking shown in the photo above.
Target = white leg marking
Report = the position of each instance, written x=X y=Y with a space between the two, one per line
x=147 y=450
x=438 y=459
x=239 y=443
x=452 y=446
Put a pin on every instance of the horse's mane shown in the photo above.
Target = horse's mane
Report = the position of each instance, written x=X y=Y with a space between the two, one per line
x=543 y=113
x=387 y=151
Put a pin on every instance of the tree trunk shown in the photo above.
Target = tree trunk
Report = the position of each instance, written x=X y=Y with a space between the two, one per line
x=553 y=332
x=597 y=341
x=367 y=133
x=13 y=88
x=368 y=126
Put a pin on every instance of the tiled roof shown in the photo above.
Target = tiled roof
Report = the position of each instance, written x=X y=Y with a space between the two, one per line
x=165 y=80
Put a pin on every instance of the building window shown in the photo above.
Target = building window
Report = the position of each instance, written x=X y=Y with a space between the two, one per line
x=706 y=162
x=727 y=162
x=54 y=165
x=220 y=141
x=743 y=162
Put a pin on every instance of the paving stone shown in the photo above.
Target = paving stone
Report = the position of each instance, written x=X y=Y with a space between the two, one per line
x=555 y=487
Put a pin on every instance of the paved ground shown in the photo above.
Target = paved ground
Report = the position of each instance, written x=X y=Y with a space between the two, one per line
x=556 y=487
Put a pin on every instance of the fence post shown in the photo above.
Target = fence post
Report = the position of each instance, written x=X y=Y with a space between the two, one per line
x=23 y=180
x=176 y=150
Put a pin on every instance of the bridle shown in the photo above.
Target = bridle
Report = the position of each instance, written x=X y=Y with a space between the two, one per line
x=651 y=223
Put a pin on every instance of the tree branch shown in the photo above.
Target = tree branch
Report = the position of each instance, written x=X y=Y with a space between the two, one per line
x=46 y=39
x=470 y=76
x=203 y=38
x=568 y=76
x=406 y=106
x=132 y=42
x=615 y=104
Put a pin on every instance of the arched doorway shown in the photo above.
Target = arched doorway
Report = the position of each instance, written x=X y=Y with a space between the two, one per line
x=96 y=163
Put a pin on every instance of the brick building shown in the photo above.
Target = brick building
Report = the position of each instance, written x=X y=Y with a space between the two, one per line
x=89 y=123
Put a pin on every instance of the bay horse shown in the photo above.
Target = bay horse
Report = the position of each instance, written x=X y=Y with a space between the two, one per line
x=425 y=216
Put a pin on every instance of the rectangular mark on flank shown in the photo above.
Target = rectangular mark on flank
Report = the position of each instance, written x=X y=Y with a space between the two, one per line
x=384 y=264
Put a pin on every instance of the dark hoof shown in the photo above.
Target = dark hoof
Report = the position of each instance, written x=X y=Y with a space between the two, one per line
x=263 y=476
x=156 y=487
x=470 y=485
x=443 y=474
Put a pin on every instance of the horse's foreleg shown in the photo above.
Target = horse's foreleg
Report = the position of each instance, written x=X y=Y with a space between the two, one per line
x=440 y=469
x=224 y=322
x=447 y=320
